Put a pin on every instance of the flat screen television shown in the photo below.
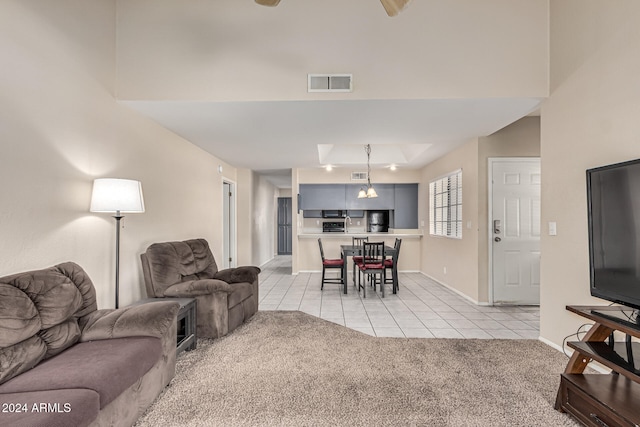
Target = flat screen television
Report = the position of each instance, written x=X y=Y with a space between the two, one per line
x=613 y=198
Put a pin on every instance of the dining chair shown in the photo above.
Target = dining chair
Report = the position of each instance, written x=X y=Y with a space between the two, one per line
x=392 y=263
x=357 y=259
x=328 y=264
x=372 y=265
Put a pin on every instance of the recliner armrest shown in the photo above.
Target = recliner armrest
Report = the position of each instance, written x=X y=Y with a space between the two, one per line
x=193 y=288
x=151 y=319
x=239 y=274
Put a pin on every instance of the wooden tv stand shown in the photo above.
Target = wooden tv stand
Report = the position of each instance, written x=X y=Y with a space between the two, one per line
x=603 y=399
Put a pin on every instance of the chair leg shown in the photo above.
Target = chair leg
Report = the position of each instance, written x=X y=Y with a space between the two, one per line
x=394 y=275
x=322 y=285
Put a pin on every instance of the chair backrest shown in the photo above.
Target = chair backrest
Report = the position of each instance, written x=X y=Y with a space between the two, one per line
x=396 y=246
x=373 y=252
x=357 y=241
x=321 y=250
x=165 y=264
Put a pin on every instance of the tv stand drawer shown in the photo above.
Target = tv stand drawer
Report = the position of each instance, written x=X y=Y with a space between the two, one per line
x=592 y=399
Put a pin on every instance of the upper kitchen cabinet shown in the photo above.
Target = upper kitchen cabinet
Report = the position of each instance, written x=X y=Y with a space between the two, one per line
x=406 y=209
x=322 y=196
x=384 y=201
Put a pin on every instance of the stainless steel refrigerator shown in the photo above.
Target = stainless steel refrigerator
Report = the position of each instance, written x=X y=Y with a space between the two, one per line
x=378 y=221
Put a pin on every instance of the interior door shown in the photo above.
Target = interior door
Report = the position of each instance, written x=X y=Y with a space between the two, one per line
x=515 y=230
x=284 y=226
x=228 y=221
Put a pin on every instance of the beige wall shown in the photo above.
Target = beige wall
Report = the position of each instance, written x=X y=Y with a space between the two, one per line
x=466 y=260
x=61 y=128
x=458 y=256
x=590 y=119
x=237 y=50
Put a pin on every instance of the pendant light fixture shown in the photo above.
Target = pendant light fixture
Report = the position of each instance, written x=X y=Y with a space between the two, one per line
x=370 y=192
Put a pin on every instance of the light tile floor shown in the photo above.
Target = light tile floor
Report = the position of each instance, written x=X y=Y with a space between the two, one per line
x=422 y=308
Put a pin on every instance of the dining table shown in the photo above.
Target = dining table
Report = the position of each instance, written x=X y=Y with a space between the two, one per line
x=347 y=251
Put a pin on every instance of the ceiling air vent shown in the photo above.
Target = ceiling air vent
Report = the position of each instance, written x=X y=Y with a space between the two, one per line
x=329 y=83
x=358 y=176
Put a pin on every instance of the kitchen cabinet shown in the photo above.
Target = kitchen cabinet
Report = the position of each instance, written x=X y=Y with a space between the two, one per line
x=384 y=201
x=322 y=196
x=308 y=213
x=406 y=206
x=400 y=198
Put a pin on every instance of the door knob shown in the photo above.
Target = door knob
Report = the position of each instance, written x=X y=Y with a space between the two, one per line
x=497 y=239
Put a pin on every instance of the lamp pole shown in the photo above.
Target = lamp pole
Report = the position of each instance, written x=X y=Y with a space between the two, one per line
x=118 y=217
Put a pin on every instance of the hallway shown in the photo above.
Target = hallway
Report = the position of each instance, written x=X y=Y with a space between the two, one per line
x=422 y=308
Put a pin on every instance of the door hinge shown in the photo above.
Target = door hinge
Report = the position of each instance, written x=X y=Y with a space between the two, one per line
x=230 y=259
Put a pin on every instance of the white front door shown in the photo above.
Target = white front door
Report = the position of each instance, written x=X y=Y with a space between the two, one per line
x=515 y=230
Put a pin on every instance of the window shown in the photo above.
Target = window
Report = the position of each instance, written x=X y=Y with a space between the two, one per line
x=445 y=206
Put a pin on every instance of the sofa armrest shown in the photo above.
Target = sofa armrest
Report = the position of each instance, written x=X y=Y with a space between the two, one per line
x=239 y=274
x=193 y=288
x=151 y=319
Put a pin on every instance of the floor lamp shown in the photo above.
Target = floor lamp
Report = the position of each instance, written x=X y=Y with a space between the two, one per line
x=118 y=196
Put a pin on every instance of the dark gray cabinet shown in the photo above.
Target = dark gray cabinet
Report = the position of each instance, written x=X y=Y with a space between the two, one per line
x=405 y=214
x=402 y=199
x=322 y=196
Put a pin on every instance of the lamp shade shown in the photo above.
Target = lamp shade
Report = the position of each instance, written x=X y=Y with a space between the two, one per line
x=117 y=195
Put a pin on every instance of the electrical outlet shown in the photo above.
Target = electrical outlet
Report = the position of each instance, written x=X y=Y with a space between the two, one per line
x=317 y=222
x=358 y=222
x=445 y=270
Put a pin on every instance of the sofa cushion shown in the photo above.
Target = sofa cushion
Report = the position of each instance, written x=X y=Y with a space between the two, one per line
x=105 y=366
x=239 y=293
x=51 y=408
x=41 y=305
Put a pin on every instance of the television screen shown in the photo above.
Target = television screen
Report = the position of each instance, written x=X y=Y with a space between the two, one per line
x=613 y=197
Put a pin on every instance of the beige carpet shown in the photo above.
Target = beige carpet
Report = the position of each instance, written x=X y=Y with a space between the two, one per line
x=293 y=369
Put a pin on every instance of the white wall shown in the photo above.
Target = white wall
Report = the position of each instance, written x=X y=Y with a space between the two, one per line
x=60 y=127
x=590 y=119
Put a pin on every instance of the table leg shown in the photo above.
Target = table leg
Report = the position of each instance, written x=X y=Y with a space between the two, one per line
x=345 y=278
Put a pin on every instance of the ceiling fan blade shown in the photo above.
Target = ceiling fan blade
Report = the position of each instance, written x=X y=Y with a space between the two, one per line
x=393 y=6
x=268 y=2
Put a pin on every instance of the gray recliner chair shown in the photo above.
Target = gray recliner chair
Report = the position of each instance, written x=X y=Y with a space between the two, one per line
x=225 y=299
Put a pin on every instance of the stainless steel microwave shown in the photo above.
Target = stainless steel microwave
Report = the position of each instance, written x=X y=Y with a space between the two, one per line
x=334 y=214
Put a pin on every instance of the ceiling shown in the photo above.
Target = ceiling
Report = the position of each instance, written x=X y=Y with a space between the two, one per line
x=409 y=80
x=271 y=137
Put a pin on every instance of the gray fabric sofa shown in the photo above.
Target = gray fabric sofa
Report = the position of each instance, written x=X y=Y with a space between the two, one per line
x=225 y=298
x=65 y=363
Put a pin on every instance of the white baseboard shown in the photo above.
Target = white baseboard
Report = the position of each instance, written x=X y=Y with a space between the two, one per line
x=267 y=262
x=467 y=297
x=593 y=365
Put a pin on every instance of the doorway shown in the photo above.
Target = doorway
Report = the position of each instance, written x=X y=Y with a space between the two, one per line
x=514 y=231
x=229 y=224
x=284 y=226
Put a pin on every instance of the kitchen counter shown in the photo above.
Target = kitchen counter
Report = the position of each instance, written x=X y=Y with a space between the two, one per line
x=391 y=234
